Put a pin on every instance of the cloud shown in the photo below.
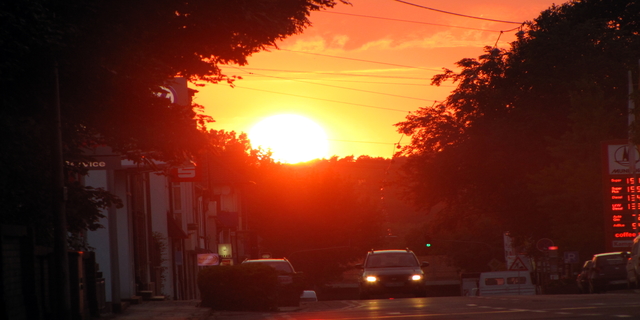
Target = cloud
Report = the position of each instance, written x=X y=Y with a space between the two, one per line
x=315 y=44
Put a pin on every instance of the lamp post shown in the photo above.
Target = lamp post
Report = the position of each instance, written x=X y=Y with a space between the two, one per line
x=61 y=259
x=632 y=154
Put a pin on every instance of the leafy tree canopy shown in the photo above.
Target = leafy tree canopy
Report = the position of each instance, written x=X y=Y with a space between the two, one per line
x=104 y=63
x=515 y=147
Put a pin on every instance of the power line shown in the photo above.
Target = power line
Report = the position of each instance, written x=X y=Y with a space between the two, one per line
x=356 y=81
x=457 y=14
x=337 y=73
x=354 y=141
x=321 y=99
x=339 y=87
x=360 y=60
x=409 y=21
x=371 y=82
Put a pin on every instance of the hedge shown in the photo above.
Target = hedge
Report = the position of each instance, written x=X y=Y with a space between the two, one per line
x=243 y=287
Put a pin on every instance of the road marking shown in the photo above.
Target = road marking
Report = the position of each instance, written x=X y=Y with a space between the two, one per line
x=422 y=315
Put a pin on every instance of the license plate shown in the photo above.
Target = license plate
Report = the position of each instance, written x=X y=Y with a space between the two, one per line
x=394 y=284
x=618 y=282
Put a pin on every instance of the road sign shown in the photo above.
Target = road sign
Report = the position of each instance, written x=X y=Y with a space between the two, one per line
x=518 y=265
x=571 y=257
x=544 y=244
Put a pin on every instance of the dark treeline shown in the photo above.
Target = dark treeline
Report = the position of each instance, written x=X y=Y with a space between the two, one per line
x=517 y=145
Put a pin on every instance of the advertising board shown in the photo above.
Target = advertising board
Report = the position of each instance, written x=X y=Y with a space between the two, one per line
x=620 y=194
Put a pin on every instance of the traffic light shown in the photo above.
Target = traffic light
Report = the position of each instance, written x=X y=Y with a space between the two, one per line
x=427 y=241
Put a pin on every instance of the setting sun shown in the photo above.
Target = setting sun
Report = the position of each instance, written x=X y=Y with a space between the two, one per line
x=291 y=138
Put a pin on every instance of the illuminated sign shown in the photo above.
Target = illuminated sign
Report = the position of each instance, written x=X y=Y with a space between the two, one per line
x=621 y=188
x=208 y=259
x=185 y=174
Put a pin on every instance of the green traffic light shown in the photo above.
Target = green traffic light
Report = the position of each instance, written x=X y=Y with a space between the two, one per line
x=428 y=245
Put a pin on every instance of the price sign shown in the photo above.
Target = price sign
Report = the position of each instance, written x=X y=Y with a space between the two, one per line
x=621 y=195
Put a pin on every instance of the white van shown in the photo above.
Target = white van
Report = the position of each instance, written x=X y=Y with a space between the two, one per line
x=500 y=283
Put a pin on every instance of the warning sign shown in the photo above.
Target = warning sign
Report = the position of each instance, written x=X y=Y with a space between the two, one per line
x=518 y=265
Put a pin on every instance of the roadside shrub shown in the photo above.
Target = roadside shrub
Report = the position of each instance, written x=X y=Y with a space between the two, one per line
x=244 y=287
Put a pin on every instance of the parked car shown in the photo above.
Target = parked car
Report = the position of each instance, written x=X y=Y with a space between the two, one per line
x=501 y=283
x=392 y=271
x=608 y=271
x=582 y=280
x=309 y=296
x=633 y=265
x=290 y=282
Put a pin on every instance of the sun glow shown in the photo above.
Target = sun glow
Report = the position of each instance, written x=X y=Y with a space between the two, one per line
x=291 y=138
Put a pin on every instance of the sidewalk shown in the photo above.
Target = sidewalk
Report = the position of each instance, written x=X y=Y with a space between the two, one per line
x=163 y=310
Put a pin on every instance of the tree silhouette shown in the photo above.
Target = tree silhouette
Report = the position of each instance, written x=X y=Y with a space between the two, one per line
x=106 y=62
x=515 y=147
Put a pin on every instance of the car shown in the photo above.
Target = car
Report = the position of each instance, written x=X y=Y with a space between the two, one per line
x=391 y=272
x=290 y=282
x=608 y=271
x=582 y=280
x=633 y=265
x=309 y=296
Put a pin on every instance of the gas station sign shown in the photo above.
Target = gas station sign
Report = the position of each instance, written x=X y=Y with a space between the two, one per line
x=620 y=194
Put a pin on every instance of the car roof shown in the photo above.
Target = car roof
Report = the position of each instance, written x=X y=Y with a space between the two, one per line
x=390 y=251
x=609 y=253
x=265 y=260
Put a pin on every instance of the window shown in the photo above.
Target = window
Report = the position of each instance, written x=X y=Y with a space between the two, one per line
x=494 y=281
x=516 y=280
x=176 y=197
x=385 y=260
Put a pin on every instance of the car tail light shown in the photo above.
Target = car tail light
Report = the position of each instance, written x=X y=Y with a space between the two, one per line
x=285 y=279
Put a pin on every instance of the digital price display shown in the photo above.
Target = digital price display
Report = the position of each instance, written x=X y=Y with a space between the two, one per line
x=621 y=192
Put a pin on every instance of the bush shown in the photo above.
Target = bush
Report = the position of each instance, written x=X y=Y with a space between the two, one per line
x=244 y=287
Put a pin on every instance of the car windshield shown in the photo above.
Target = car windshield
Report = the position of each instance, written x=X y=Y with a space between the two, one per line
x=281 y=266
x=611 y=260
x=385 y=260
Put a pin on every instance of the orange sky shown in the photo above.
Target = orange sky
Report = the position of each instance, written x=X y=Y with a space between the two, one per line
x=329 y=73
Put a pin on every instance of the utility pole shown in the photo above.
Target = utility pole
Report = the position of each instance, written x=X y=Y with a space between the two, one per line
x=632 y=155
x=60 y=276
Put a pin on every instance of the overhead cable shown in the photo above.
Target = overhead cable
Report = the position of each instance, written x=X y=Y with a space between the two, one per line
x=337 y=73
x=409 y=21
x=360 y=60
x=353 y=141
x=321 y=99
x=456 y=14
x=339 y=87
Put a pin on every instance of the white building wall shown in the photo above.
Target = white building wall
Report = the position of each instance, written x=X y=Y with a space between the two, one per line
x=159 y=191
x=99 y=239
x=125 y=241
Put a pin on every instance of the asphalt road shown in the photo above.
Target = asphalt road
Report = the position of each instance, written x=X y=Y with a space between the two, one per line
x=611 y=305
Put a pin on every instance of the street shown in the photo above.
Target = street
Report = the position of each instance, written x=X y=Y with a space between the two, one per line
x=571 y=306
